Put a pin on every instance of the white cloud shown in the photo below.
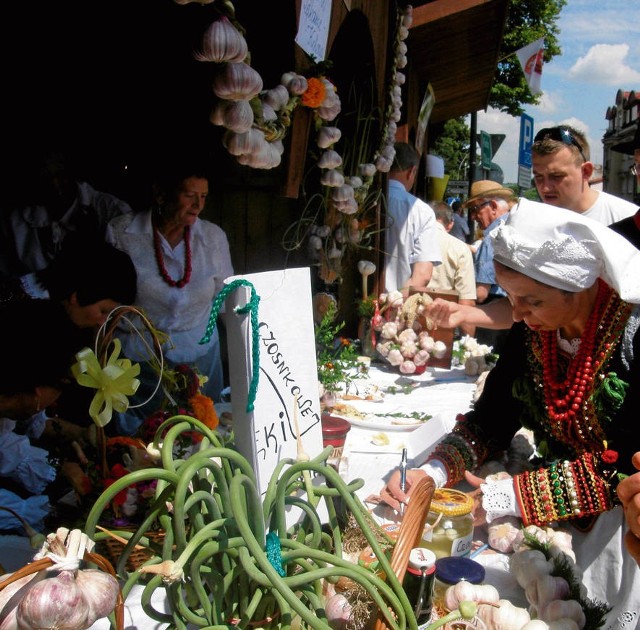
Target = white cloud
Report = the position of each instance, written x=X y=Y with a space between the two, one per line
x=550 y=103
x=604 y=64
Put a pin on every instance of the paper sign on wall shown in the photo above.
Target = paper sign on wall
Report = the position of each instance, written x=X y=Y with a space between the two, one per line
x=313 y=29
x=287 y=392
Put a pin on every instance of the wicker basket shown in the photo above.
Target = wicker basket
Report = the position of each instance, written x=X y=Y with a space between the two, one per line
x=113 y=546
x=410 y=533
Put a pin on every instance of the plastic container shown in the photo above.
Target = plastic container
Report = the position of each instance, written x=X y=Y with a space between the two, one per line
x=418 y=583
x=451 y=570
x=449 y=527
x=334 y=433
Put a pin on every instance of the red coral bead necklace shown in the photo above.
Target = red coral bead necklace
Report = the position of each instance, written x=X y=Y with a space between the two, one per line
x=564 y=396
x=157 y=247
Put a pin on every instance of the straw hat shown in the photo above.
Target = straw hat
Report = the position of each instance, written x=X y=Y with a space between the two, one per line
x=486 y=189
x=631 y=146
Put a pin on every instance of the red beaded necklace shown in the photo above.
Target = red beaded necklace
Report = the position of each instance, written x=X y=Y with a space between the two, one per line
x=157 y=247
x=568 y=393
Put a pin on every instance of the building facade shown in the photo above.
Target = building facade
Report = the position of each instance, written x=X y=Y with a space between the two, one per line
x=623 y=119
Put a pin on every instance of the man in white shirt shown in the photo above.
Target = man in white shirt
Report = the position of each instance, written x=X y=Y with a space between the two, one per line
x=562 y=170
x=411 y=248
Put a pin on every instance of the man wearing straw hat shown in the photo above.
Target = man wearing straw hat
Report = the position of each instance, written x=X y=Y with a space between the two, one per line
x=489 y=205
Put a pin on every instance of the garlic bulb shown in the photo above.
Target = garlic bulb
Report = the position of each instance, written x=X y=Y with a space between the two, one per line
x=100 y=591
x=277 y=97
x=55 y=602
x=329 y=159
x=328 y=136
x=237 y=82
x=267 y=156
x=234 y=115
x=466 y=591
x=9 y=603
x=332 y=178
x=503 y=616
x=367 y=170
x=342 y=193
x=295 y=83
x=243 y=143
x=222 y=42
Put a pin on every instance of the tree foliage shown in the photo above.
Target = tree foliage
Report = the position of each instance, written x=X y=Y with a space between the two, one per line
x=527 y=21
x=453 y=146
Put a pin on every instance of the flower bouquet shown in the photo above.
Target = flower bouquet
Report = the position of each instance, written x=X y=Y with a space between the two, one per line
x=473 y=356
x=402 y=332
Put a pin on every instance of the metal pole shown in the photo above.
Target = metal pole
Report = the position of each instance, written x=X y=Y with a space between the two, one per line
x=472 y=148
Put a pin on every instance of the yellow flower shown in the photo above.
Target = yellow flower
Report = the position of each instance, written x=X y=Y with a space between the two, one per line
x=204 y=410
x=314 y=94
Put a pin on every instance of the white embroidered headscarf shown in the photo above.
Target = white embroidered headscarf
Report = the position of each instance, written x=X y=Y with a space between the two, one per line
x=565 y=250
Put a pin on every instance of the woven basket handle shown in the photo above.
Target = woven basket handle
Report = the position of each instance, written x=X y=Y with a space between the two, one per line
x=410 y=532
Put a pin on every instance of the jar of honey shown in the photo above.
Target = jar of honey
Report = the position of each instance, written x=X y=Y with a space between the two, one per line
x=449 y=527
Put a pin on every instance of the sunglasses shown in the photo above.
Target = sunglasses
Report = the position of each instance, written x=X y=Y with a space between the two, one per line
x=560 y=134
x=477 y=208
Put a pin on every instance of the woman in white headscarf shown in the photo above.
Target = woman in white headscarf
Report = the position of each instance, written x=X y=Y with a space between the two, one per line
x=570 y=373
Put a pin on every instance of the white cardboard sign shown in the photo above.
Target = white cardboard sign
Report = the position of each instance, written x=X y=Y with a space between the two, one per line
x=313 y=28
x=287 y=393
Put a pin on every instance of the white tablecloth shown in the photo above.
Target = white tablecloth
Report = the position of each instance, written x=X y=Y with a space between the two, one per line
x=437 y=392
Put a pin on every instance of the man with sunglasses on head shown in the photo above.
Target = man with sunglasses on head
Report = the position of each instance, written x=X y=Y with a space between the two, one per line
x=562 y=170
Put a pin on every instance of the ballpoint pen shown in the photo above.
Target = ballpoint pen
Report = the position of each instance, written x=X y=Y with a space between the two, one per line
x=403 y=475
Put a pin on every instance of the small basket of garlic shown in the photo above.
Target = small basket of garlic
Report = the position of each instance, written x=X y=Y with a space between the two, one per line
x=405 y=337
x=59 y=590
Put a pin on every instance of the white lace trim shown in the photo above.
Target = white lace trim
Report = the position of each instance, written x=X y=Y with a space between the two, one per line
x=570 y=347
x=499 y=499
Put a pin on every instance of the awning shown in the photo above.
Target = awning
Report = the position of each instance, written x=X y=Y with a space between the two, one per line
x=454 y=45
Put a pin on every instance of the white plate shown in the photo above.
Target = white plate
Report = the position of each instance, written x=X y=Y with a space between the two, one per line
x=378 y=424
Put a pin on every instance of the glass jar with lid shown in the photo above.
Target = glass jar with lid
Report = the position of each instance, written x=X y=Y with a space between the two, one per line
x=449 y=527
x=450 y=571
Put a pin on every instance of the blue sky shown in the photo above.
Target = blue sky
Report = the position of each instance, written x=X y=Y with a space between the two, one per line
x=600 y=42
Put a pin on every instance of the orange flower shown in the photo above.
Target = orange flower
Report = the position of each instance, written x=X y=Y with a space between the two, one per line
x=314 y=94
x=203 y=410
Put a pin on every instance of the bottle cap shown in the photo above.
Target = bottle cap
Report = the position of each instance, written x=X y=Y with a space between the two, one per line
x=420 y=558
x=454 y=569
x=450 y=502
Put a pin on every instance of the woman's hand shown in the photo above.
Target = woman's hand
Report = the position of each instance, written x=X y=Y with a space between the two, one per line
x=479 y=514
x=444 y=313
x=392 y=493
x=629 y=493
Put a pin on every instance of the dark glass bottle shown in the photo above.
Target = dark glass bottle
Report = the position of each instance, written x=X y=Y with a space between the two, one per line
x=418 y=583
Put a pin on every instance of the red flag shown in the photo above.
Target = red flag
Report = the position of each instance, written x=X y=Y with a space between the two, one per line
x=531 y=59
